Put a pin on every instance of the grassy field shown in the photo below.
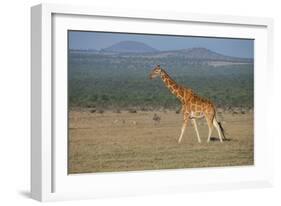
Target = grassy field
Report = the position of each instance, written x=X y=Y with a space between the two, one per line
x=134 y=141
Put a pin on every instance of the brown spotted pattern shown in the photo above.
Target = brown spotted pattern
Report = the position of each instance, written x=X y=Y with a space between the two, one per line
x=193 y=106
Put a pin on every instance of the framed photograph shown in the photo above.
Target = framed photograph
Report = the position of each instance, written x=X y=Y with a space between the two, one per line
x=137 y=102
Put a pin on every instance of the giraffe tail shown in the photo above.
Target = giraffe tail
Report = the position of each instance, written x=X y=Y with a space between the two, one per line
x=222 y=130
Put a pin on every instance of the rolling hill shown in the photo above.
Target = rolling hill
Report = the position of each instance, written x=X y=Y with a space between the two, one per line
x=141 y=50
x=129 y=47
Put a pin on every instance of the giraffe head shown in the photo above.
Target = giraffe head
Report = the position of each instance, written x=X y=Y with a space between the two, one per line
x=155 y=72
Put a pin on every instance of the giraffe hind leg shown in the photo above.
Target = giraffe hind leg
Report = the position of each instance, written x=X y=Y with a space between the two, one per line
x=210 y=125
x=216 y=125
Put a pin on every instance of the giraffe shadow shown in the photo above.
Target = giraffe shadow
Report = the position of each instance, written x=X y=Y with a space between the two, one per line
x=218 y=139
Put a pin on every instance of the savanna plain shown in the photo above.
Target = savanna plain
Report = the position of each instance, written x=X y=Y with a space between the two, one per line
x=130 y=141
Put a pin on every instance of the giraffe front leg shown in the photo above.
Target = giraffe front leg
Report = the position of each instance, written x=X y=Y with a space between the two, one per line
x=196 y=129
x=185 y=124
x=183 y=109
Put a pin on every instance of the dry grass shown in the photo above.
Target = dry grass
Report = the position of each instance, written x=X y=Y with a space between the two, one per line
x=134 y=141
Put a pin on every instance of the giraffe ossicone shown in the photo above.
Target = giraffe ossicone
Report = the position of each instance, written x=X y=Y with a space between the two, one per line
x=193 y=106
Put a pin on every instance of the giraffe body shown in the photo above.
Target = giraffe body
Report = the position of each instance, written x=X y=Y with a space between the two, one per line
x=193 y=106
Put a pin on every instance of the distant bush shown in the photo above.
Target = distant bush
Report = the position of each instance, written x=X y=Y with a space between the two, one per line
x=110 y=82
x=117 y=111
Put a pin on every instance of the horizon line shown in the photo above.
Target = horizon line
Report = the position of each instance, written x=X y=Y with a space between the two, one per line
x=158 y=50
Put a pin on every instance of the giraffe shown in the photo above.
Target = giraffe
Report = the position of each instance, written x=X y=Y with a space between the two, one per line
x=193 y=106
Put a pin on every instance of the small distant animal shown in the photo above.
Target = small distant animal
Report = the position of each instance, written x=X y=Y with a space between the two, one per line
x=93 y=110
x=132 y=111
x=156 y=118
x=101 y=111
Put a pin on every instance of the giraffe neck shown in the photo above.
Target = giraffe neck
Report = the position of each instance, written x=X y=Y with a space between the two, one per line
x=174 y=88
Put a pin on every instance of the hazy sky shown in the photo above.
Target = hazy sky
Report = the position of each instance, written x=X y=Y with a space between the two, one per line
x=100 y=40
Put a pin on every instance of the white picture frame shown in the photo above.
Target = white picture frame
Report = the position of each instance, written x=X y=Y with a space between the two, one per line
x=49 y=178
